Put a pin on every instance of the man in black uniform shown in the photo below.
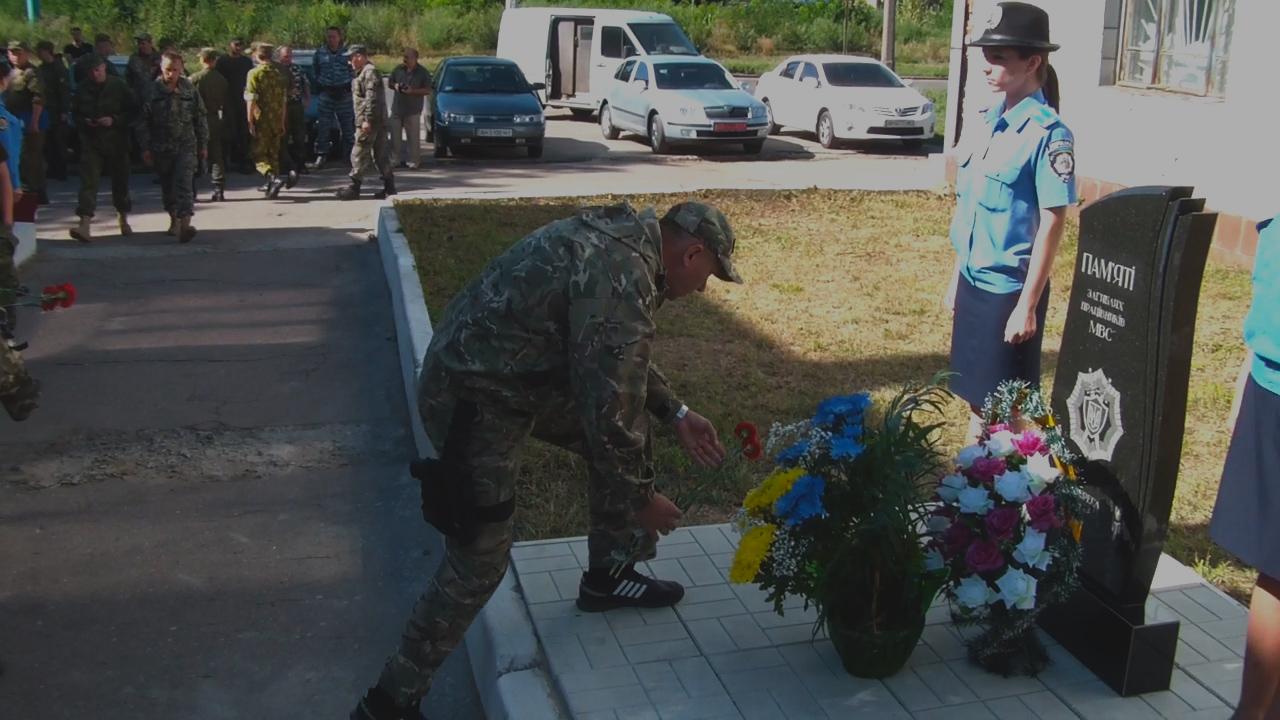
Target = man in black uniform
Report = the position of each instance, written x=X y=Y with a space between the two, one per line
x=235 y=67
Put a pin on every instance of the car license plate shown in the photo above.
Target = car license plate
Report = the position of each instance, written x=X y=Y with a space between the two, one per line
x=494 y=132
x=899 y=123
x=730 y=127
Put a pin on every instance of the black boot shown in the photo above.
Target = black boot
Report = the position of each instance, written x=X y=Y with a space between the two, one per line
x=273 y=187
x=291 y=179
x=388 y=188
x=217 y=196
x=601 y=590
x=377 y=705
x=350 y=192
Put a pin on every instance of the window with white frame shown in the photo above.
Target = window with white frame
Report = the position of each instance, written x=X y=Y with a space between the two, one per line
x=1179 y=45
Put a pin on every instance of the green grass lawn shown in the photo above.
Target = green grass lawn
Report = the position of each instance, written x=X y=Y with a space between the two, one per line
x=830 y=306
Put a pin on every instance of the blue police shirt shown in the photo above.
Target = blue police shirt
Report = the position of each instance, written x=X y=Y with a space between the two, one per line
x=333 y=67
x=11 y=137
x=1262 y=326
x=1025 y=162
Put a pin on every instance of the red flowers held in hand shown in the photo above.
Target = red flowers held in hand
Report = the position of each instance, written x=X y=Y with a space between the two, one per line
x=752 y=449
x=58 y=296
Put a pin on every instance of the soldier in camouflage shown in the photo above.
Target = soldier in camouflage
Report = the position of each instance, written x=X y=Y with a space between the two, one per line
x=295 y=131
x=25 y=98
x=19 y=392
x=213 y=89
x=332 y=67
x=103 y=105
x=265 y=92
x=174 y=132
x=553 y=341
x=57 y=93
x=143 y=68
x=371 y=149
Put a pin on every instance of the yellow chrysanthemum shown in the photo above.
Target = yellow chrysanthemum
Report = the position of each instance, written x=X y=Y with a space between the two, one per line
x=762 y=499
x=751 y=551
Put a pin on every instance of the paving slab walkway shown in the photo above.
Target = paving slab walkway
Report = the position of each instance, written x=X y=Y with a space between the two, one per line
x=724 y=653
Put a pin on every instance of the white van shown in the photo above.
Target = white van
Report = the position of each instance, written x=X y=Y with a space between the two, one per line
x=577 y=50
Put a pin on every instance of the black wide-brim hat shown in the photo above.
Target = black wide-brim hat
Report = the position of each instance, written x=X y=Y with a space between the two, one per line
x=1018 y=25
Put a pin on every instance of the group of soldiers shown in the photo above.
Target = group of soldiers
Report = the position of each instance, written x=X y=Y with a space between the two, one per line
x=242 y=111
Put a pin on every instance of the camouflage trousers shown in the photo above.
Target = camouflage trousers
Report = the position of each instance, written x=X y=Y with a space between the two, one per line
x=31 y=165
x=19 y=392
x=94 y=161
x=469 y=573
x=216 y=160
x=265 y=149
x=177 y=173
x=371 y=152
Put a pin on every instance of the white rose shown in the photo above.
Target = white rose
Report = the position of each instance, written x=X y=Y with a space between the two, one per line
x=937 y=524
x=950 y=487
x=1017 y=589
x=975 y=501
x=1041 y=471
x=966 y=456
x=1014 y=486
x=974 y=592
x=933 y=560
x=1031 y=550
x=1001 y=444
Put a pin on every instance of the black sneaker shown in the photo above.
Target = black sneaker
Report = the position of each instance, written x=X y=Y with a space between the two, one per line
x=377 y=705
x=599 y=591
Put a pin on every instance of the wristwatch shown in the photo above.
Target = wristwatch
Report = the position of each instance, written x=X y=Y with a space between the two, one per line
x=684 y=410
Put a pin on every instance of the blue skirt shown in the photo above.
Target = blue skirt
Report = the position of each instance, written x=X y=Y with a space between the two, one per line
x=980 y=358
x=1248 y=508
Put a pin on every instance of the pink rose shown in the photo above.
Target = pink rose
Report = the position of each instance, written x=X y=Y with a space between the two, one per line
x=1001 y=523
x=986 y=469
x=1029 y=443
x=956 y=539
x=998 y=427
x=1043 y=511
x=984 y=556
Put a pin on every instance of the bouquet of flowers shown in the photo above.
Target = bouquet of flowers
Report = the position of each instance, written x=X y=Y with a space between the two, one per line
x=1003 y=529
x=841 y=522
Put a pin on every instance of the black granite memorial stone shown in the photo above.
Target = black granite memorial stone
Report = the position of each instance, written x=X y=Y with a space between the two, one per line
x=1120 y=392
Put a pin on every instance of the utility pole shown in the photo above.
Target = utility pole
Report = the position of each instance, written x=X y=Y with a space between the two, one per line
x=33 y=11
x=888 y=39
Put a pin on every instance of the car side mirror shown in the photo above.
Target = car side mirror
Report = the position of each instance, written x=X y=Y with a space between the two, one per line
x=744 y=86
x=535 y=87
x=811 y=82
x=640 y=83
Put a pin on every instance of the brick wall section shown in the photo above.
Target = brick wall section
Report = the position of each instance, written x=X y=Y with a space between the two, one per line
x=1235 y=241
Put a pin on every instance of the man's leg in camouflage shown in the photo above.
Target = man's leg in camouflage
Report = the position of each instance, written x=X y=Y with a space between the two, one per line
x=164 y=167
x=216 y=156
x=117 y=166
x=91 y=163
x=31 y=166
x=346 y=112
x=184 y=180
x=382 y=152
x=19 y=392
x=326 y=107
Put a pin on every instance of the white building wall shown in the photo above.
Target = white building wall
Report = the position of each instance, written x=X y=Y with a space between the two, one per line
x=1227 y=148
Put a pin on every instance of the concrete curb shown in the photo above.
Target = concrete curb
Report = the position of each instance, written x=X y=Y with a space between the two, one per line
x=25 y=232
x=505 y=657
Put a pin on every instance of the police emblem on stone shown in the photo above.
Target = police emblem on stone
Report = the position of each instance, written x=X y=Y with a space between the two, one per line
x=1094 y=415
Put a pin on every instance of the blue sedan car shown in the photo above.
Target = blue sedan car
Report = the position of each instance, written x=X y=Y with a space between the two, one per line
x=485 y=101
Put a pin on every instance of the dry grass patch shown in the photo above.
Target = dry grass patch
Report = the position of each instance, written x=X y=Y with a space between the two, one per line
x=842 y=294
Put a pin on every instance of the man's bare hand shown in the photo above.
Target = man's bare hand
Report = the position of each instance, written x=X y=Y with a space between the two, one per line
x=660 y=515
x=700 y=440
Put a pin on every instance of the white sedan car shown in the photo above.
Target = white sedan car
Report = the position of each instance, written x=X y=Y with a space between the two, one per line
x=844 y=97
x=681 y=99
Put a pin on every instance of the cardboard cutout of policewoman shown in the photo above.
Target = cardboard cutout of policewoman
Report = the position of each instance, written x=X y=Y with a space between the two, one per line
x=1016 y=179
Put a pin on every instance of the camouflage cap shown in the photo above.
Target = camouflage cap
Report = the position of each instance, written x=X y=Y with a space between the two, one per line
x=710 y=226
x=357 y=49
x=18 y=45
x=140 y=37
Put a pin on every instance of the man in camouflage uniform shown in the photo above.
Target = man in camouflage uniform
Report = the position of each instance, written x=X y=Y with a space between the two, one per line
x=295 y=121
x=143 y=68
x=213 y=90
x=25 y=98
x=332 y=66
x=57 y=95
x=19 y=392
x=174 y=132
x=103 y=106
x=553 y=341
x=371 y=148
x=264 y=97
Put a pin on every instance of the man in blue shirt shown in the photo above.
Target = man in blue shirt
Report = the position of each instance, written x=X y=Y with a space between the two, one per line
x=333 y=87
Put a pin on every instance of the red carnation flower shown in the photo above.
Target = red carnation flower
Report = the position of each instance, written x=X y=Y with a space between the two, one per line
x=68 y=295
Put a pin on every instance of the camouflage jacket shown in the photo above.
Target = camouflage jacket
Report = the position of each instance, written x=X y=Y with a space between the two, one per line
x=564 y=321
x=299 y=84
x=110 y=99
x=56 y=86
x=173 y=120
x=370 y=97
x=140 y=73
x=25 y=91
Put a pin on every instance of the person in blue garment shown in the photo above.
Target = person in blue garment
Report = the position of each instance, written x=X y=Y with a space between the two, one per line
x=1249 y=494
x=11 y=129
x=1015 y=181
